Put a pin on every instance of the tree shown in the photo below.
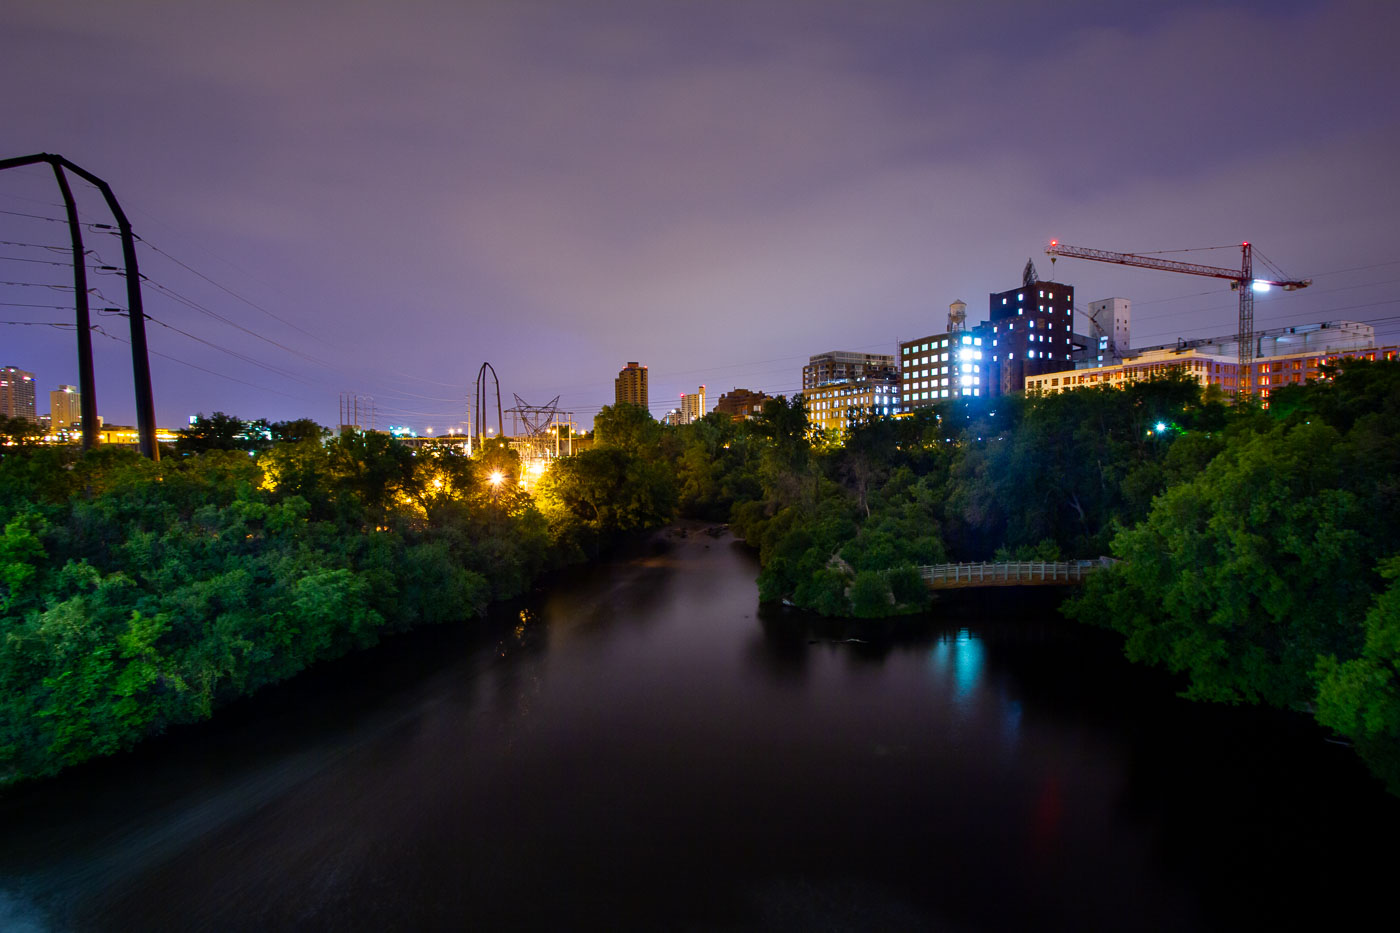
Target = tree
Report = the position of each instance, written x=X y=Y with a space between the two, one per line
x=1244 y=575
x=1360 y=698
x=627 y=427
x=610 y=490
x=18 y=432
x=300 y=429
x=216 y=432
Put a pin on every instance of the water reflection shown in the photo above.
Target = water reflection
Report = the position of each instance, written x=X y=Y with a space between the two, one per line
x=958 y=659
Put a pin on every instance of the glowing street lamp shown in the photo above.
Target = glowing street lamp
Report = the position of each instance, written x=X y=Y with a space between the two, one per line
x=497 y=478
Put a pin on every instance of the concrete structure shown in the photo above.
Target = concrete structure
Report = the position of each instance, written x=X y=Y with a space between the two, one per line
x=845 y=365
x=741 y=404
x=835 y=406
x=693 y=406
x=631 y=385
x=1109 y=339
x=17 y=394
x=1032 y=332
x=1286 y=356
x=65 y=407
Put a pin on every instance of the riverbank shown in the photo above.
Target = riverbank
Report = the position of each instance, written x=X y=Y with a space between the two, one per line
x=638 y=745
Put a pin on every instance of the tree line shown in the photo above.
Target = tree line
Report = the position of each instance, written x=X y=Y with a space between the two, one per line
x=1258 y=549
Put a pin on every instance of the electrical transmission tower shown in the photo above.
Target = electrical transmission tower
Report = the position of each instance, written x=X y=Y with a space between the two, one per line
x=536 y=420
x=140 y=359
x=353 y=407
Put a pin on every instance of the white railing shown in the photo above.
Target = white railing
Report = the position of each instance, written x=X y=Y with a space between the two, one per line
x=1011 y=573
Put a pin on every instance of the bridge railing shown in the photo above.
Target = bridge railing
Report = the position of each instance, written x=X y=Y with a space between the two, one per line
x=1010 y=573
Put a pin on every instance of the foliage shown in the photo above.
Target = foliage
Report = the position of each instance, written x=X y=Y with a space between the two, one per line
x=220 y=432
x=1254 y=573
x=137 y=595
x=18 y=432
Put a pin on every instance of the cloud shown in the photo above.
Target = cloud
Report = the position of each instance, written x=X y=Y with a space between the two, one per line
x=564 y=187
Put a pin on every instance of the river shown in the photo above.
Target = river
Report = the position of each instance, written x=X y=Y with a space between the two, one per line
x=639 y=746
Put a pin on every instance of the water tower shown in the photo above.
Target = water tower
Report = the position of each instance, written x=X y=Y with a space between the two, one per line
x=957 y=317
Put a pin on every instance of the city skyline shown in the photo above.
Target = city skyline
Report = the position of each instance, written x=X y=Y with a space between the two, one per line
x=719 y=191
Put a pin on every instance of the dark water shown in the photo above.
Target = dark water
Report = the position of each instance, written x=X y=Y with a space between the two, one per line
x=639 y=747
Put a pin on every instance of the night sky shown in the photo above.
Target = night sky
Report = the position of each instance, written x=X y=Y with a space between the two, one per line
x=391 y=193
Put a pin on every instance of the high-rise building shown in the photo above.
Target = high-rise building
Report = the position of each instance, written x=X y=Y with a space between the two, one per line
x=17 y=394
x=693 y=406
x=844 y=365
x=741 y=404
x=631 y=385
x=65 y=407
x=1032 y=332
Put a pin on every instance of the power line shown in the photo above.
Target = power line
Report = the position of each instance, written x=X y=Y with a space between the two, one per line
x=98 y=330
x=247 y=301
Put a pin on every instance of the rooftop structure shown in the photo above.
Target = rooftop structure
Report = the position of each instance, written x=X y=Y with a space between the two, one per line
x=843 y=365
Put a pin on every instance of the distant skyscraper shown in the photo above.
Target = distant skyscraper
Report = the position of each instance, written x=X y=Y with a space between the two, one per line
x=693 y=406
x=631 y=385
x=65 y=407
x=17 y=394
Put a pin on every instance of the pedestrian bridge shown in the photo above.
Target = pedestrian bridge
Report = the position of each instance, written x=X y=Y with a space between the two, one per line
x=1011 y=573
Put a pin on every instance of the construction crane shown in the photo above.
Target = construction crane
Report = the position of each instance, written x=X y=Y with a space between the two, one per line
x=1242 y=280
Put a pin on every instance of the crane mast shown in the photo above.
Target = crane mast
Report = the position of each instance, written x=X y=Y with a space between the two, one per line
x=1241 y=279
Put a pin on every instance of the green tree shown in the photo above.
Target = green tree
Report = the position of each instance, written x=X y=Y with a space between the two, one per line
x=1243 y=576
x=1360 y=698
x=627 y=427
x=217 y=432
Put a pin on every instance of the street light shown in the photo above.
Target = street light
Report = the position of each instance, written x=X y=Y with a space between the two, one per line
x=497 y=478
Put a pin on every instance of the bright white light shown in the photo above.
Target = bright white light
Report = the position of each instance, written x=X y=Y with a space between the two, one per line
x=1161 y=426
x=1261 y=286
